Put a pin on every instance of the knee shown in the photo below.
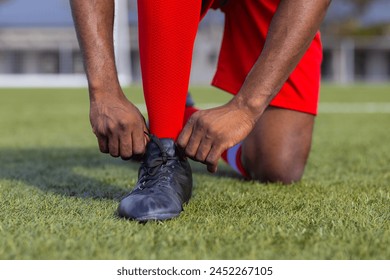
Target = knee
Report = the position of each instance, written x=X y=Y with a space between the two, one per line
x=275 y=172
x=276 y=176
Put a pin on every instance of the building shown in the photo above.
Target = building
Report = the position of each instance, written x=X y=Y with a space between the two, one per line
x=357 y=56
x=41 y=44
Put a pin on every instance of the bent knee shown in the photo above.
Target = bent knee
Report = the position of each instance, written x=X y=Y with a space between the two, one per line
x=275 y=172
x=276 y=176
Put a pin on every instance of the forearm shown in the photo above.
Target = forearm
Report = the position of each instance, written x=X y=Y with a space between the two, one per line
x=94 y=26
x=290 y=34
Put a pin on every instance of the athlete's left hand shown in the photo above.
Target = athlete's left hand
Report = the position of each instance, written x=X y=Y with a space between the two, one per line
x=208 y=133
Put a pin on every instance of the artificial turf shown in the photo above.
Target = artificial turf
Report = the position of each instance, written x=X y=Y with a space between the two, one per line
x=58 y=194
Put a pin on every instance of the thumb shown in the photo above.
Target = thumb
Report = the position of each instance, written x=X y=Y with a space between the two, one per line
x=185 y=134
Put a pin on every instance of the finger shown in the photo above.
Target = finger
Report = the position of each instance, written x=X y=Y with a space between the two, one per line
x=103 y=144
x=193 y=144
x=212 y=168
x=213 y=158
x=125 y=147
x=146 y=139
x=146 y=133
x=203 y=149
x=113 y=145
x=185 y=134
x=193 y=137
x=138 y=143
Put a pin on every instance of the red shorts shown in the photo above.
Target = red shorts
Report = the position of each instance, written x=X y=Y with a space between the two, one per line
x=246 y=28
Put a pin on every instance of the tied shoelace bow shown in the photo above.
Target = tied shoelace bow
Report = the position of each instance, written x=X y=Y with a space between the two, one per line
x=152 y=166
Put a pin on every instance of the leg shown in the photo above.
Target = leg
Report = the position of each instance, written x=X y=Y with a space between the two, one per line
x=278 y=147
x=167 y=31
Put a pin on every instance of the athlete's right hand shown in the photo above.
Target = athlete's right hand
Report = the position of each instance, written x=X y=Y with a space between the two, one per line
x=118 y=125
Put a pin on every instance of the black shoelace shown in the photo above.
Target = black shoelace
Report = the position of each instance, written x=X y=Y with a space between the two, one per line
x=151 y=168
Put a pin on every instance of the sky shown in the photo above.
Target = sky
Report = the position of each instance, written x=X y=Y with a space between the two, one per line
x=375 y=13
x=18 y=13
x=52 y=13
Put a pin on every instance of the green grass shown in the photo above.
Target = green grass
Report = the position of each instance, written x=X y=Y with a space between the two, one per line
x=58 y=194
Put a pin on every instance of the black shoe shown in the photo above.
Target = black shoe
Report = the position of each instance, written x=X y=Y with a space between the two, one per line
x=189 y=101
x=164 y=184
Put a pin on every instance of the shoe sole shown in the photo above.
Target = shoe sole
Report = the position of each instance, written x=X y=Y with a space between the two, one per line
x=153 y=217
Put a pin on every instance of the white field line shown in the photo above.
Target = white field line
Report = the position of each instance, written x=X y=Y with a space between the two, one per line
x=355 y=108
x=325 y=107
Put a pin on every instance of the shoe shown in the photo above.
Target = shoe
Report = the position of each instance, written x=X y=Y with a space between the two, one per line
x=189 y=101
x=190 y=108
x=164 y=184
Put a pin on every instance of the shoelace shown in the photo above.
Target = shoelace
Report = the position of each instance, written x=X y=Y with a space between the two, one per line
x=153 y=166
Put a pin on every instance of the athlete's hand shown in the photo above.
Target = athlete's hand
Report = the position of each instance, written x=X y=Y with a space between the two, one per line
x=208 y=133
x=118 y=125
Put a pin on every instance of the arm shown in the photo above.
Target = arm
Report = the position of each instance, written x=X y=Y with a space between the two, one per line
x=117 y=123
x=208 y=133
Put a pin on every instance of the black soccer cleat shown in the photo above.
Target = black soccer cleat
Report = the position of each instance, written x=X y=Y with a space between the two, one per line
x=164 y=184
x=189 y=100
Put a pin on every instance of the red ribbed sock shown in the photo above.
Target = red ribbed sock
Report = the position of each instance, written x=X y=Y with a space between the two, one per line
x=167 y=31
x=232 y=157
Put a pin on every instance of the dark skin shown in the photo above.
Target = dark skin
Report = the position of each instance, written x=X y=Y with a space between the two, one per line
x=278 y=147
x=210 y=132
x=119 y=126
x=116 y=122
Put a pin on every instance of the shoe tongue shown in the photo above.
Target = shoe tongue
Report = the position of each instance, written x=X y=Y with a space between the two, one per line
x=153 y=150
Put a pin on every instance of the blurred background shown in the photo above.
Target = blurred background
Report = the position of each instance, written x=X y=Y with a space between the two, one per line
x=38 y=45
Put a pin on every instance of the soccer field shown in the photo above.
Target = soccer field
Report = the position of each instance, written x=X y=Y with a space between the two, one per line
x=58 y=194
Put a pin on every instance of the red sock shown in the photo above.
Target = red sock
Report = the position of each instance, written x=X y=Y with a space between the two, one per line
x=189 y=110
x=231 y=156
x=167 y=31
